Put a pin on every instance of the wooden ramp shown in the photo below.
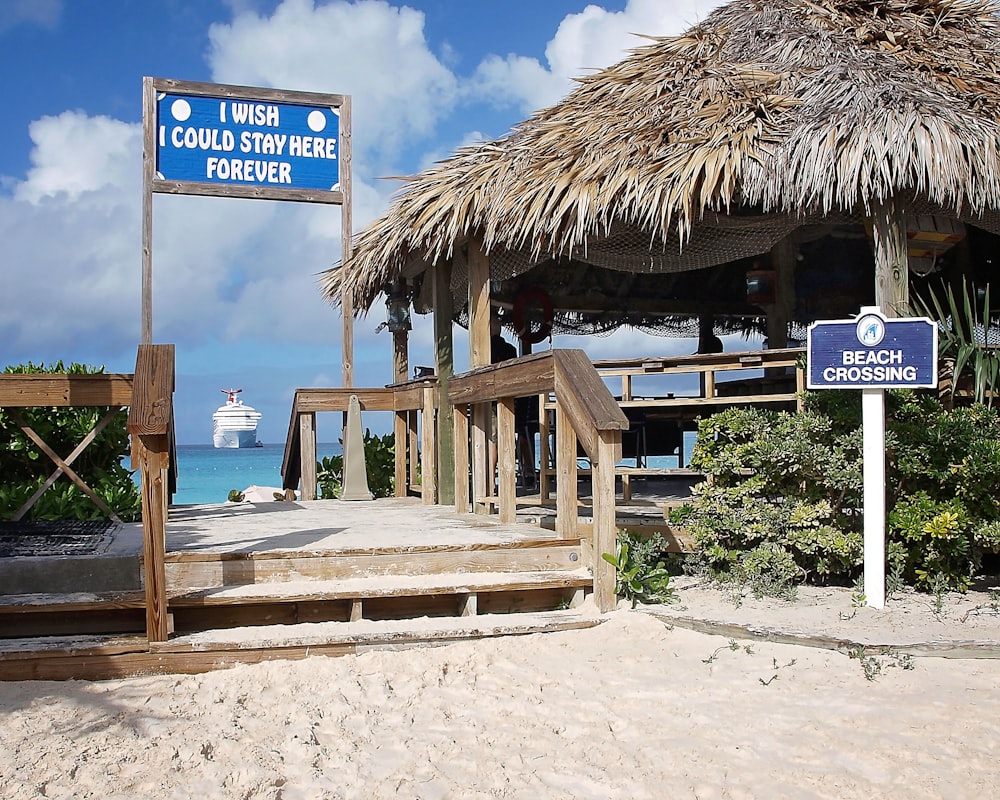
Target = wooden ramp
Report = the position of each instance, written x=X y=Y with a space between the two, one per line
x=233 y=597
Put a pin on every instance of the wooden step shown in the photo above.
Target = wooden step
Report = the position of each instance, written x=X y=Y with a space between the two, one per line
x=101 y=658
x=201 y=570
x=382 y=586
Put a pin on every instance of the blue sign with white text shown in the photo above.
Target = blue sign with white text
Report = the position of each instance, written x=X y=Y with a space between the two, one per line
x=872 y=352
x=247 y=143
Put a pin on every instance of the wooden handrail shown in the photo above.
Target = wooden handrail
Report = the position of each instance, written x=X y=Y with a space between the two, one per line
x=61 y=390
x=400 y=398
x=588 y=413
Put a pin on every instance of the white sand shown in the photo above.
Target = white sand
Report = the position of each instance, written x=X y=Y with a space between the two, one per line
x=631 y=709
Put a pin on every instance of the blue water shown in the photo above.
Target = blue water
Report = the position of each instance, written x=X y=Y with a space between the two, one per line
x=207 y=475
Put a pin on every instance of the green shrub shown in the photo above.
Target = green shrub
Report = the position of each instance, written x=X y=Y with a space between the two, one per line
x=24 y=468
x=380 y=463
x=641 y=575
x=785 y=500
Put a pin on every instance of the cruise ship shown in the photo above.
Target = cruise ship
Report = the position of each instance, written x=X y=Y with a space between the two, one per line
x=235 y=424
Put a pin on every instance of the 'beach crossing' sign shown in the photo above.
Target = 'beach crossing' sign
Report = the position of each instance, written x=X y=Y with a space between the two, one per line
x=872 y=352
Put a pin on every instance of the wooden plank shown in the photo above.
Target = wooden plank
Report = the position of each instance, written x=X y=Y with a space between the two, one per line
x=479 y=305
x=519 y=377
x=70 y=602
x=506 y=452
x=399 y=454
x=62 y=390
x=185 y=576
x=566 y=477
x=307 y=455
x=588 y=404
x=444 y=365
x=428 y=449
x=371 y=399
x=152 y=411
x=344 y=175
x=154 y=479
x=381 y=586
x=605 y=527
x=462 y=484
x=481 y=474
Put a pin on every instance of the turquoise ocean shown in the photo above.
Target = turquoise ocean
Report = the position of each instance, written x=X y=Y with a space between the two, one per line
x=207 y=475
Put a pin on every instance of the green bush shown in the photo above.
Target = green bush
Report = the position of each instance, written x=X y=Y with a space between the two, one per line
x=785 y=503
x=641 y=575
x=24 y=468
x=380 y=463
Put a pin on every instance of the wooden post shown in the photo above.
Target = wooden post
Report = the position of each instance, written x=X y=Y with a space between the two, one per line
x=307 y=454
x=479 y=306
x=505 y=467
x=461 y=420
x=399 y=432
x=479 y=356
x=544 y=451
x=481 y=457
x=148 y=173
x=414 y=446
x=154 y=460
x=428 y=440
x=400 y=356
x=566 y=476
x=605 y=527
x=346 y=233
x=444 y=366
x=892 y=285
x=783 y=259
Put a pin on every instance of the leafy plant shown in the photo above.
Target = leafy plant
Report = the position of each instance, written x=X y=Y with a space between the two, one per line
x=24 y=468
x=637 y=577
x=964 y=332
x=784 y=503
x=380 y=464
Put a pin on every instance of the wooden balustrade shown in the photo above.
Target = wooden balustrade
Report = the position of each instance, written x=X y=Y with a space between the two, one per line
x=60 y=391
x=587 y=413
x=411 y=402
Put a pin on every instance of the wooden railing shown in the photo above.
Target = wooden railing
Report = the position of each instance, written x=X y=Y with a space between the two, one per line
x=151 y=424
x=415 y=454
x=585 y=412
x=717 y=381
x=61 y=391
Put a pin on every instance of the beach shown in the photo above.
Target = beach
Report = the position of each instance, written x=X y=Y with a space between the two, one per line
x=637 y=707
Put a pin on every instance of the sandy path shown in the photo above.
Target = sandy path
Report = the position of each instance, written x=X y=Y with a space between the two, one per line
x=631 y=709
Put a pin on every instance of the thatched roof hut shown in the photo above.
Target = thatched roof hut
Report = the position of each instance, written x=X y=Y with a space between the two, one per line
x=773 y=121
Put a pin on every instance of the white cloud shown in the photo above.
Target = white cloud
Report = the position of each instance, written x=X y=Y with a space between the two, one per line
x=45 y=13
x=371 y=50
x=590 y=40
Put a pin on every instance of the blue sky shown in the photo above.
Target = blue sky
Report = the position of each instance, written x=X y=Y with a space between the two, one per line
x=235 y=281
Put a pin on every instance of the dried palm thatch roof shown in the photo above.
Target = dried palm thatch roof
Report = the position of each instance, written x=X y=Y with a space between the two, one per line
x=714 y=145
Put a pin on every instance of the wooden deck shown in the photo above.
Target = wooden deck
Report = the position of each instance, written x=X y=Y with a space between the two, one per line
x=249 y=582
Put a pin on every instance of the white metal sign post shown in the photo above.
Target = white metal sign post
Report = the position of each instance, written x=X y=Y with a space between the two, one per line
x=873 y=354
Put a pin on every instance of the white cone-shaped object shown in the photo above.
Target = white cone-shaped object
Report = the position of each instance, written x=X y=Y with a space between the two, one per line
x=355 y=470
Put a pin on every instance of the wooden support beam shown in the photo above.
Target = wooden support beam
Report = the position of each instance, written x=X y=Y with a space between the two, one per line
x=461 y=421
x=428 y=449
x=154 y=464
x=399 y=453
x=307 y=451
x=479 y=305
x=480 y=457
x=506 y=442
x=444 y=365
x=567 y=511
x=892 y=273
x=605 y=527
